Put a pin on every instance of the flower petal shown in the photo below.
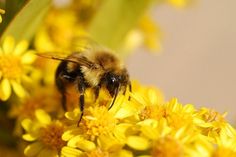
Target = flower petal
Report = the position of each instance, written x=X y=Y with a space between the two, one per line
x=18 y=89
x=8 y=45
x=47 y=152
x=29 y=57
x=29 y=137
x=21 y=47
x=5 y=89
x=42 y=116
x=81 y=143
x=26 y=124
x=138 y=143
x=70 y=152
x=70 y=133
x=1 y=51
x=120 y=131
x=74 y=115
x=124 y=153
x=33 y=149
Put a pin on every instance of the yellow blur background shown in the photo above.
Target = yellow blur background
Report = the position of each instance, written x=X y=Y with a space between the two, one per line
x=198 y=61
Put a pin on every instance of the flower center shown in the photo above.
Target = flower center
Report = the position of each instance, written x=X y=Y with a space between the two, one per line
x=167 y=147
x=97 y=153
x=97 y=121
x=153 y=112
x=11 y=67
x=51 y=136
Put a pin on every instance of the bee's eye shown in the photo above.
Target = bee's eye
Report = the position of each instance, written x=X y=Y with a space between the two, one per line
x=112 y=80
x=112 y=83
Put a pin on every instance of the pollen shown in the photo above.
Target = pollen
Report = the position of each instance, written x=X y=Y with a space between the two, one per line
x=50 y=136
x=10 y=67
x=97 y=153
x=167 y=147
x=28 y=109
x=224 y=152
x=97 y=121
x=212 y=115
x=153 y=112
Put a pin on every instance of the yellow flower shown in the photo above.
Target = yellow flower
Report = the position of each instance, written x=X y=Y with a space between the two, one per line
x=96 y=152
x=213 y=124
x=161 y=140
x=147 y=32
x=101 y=131
x=96 y=122
x=15 y=63
x=143 y=126
x=85 y=9
x=151 y=33
x=179 y=3
x=58 y=32
x=1 y=12
x=40 y=97
x=167 y=147
x=45 y=135
x=105 y=147
x=226 y=146
x=175 y=113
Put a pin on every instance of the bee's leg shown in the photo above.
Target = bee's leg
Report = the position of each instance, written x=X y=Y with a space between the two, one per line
x=62 y=90
x=96 y=91
x=130 y=89
x=81 y=88
x=124 y=92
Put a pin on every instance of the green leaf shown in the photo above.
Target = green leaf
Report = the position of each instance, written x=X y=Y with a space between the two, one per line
x=26 y=21
x=11 y=7
x=115 y=18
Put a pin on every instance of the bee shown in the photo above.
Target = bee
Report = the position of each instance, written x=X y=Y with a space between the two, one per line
x=93 y=69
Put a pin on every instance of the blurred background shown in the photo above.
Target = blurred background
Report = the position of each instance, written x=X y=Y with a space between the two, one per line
x=198 y=59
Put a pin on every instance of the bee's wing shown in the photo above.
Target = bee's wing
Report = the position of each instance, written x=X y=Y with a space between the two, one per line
x=78 y=60
x=85 y=43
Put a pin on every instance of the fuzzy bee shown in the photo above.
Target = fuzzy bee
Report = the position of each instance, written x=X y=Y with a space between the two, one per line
x=93 y=69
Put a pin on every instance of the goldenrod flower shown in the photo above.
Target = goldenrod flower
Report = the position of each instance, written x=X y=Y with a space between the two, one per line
x=15 y=63
x=40 y=97
x=45 y=135
x=141 y=126
x=1 y=12
x=101 y=131
x=213 y=124
x=58 y=32
x=96 y=122
x=85 y=9
x=179 y=3
x=151 y=33
x=176 y=114
x=226 y=146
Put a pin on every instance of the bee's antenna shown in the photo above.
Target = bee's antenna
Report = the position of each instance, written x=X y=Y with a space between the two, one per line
x=115 y=96
x=45 y=55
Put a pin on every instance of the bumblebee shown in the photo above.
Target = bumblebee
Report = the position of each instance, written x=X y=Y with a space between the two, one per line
x=90 y=69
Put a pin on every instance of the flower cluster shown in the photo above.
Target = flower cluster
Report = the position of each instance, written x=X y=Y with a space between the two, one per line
x=145 y=125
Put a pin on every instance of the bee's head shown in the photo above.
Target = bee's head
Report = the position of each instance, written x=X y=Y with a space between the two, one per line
x=116 y=81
